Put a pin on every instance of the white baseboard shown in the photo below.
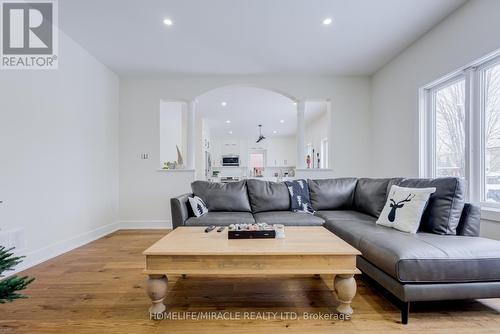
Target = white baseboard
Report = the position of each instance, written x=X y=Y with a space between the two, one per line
x=145 y=224
x=46 y=253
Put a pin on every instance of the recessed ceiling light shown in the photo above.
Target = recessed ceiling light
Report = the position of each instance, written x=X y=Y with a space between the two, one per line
x=168 y=22
x=282 y=121
x=295 y=103
x=327 y=21
x=230 y=132
x=223 y=103
x=228 y=121
x=275 y=131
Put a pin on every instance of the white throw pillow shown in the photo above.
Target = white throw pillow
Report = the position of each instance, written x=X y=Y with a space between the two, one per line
x=199 y=207
x=404 y=208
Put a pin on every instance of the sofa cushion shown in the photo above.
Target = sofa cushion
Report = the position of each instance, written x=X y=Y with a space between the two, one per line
x=422 y=257
x=332 y=194
x=288 y=218
x=230 y=196
x=268 y=196
x=349 y=215
x=470 y=221
x=445 y=206
x=370 y=195
x=351 y=230
x=427 y=257
x=221 y=219
x=395 y=181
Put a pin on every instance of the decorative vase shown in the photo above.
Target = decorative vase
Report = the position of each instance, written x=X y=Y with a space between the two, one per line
x=180 y=161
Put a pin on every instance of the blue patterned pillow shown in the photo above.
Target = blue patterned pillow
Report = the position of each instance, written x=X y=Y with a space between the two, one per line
x=299 y=196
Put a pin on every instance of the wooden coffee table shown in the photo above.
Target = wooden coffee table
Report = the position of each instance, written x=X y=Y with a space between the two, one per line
x=305 y=250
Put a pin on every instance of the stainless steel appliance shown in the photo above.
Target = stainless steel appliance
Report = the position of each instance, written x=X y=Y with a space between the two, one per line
x=231 y=160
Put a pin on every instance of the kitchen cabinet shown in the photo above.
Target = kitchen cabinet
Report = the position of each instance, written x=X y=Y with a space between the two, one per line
x=230 y=147
x=220 y=148
x=281 y=152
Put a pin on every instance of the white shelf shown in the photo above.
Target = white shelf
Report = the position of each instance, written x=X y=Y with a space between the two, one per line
x=314 y=170
x=176 y=170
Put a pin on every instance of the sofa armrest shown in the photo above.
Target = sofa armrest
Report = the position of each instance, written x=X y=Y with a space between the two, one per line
x=179 y=209
x=470 y=221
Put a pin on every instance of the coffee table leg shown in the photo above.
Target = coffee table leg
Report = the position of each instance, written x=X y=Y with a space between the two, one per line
x=345 y=287
x=157 y=290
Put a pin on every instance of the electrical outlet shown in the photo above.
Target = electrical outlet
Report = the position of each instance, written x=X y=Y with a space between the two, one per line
x=144 y=156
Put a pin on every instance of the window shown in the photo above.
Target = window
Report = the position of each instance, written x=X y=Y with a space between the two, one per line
x=257 y=162
x=460 y=129
x=448 y=108
x=491 y=97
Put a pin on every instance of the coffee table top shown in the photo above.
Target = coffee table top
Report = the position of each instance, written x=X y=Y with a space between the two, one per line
x=312 y=240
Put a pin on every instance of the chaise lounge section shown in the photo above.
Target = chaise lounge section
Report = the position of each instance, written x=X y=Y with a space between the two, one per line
x=446 y=259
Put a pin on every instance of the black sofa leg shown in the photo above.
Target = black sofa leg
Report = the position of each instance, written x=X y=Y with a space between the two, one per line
x=405 y=312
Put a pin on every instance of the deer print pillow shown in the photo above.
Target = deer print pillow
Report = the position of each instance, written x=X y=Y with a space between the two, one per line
x=198 y=206
x=404 y=208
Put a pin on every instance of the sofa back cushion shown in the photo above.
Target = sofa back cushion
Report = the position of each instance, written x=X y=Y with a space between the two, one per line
x=470 y=221
x=445 y=206
x=222 y=196
x=370 y=195
x=332 y=194
x=268 y=196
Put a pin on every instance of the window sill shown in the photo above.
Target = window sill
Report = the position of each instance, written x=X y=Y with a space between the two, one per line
x=314 y=169
x=490 y=213
x=175 y=170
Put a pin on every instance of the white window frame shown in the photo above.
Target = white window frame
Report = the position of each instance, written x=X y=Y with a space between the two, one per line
x=481 y=106
x=474 y=109
x=429 y=159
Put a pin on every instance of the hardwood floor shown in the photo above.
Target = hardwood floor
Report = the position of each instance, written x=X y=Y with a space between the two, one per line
x=100 y=288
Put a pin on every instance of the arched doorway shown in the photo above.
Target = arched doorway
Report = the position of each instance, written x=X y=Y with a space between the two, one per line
x=231 y=119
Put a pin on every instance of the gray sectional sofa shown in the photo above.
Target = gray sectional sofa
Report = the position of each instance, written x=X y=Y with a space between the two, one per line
x=445 y=260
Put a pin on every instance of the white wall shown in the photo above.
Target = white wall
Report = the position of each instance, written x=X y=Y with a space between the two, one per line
x=59 y=152
x=469 y=33
x=145 y=192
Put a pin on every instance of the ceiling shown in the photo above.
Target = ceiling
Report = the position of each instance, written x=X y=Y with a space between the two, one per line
x=249 y=36
x=247 y=107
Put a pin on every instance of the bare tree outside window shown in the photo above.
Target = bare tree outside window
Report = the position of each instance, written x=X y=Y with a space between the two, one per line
x=450 y=130
x=492 y=133
x=446 y=131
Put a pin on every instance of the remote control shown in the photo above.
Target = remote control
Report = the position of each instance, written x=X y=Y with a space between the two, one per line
x=220 y=229
x=210 y=228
